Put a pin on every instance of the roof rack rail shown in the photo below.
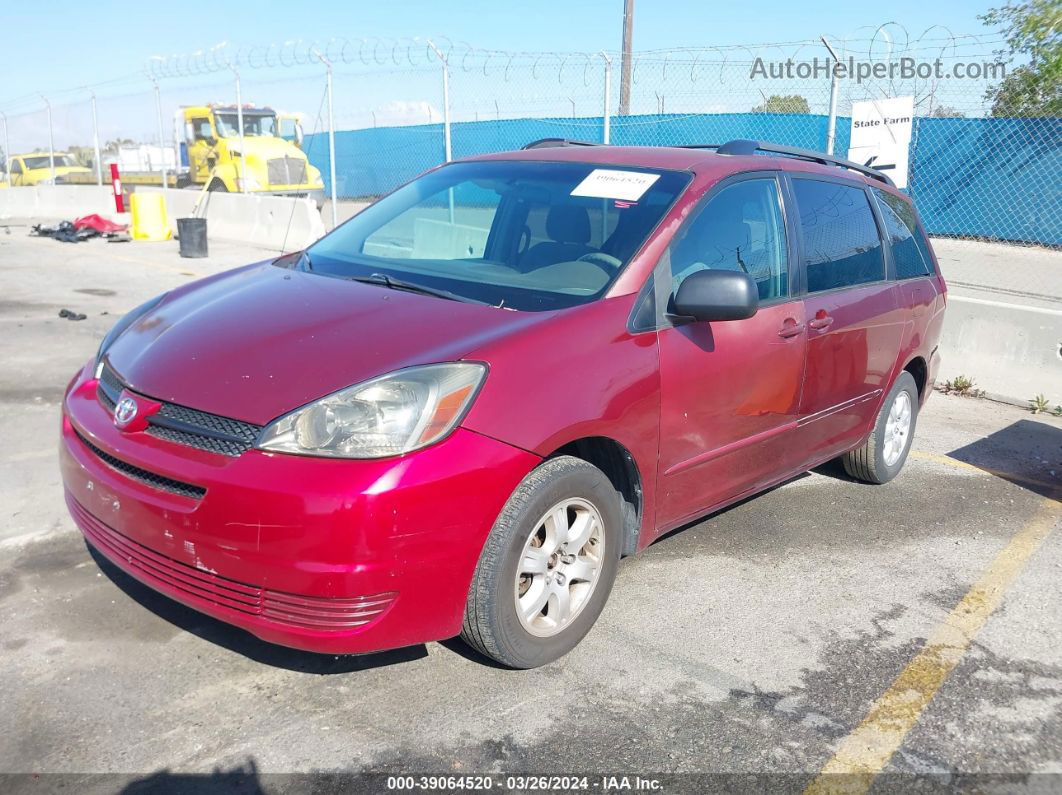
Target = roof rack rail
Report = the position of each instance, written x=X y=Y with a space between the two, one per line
x=742 y=146
x=546 y=143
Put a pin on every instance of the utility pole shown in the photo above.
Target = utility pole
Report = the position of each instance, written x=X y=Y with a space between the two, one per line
x=625 y=62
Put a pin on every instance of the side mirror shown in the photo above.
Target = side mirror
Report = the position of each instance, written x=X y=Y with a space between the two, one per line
x=716 y=295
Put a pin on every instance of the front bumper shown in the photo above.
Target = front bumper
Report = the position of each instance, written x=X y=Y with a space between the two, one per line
x=324 y=555
x=317 y=194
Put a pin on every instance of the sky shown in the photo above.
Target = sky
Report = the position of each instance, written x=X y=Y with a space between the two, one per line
x=61 y=53
x=123 y=35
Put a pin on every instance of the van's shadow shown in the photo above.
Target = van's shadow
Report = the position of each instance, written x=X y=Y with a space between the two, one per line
x=1024 y=453
x=241 y=642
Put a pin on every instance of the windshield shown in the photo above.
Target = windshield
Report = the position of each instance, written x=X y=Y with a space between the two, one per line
x=526 y=235
x=43 y=161
x=253 y=124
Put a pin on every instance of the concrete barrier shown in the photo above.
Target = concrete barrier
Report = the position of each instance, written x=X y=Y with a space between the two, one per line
x=279 y=223
x=57 y=201
x=1011 y=351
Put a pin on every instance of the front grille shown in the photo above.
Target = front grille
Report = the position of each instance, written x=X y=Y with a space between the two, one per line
x=144 y=476
x=303 y=612
x=286 y=171
x=109 y=388
x=183 y=425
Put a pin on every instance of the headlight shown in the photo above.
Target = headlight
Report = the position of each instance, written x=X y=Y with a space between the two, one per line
x=387 y=416
x=120 y=327
x=251 y=183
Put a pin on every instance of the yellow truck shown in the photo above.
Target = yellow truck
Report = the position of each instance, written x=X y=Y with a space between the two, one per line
x=213 y=153
x=36 y=168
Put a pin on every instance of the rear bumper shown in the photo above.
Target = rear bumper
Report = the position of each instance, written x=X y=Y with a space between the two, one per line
x=324 y=555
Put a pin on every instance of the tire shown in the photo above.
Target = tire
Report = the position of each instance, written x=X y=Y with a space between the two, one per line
x=217 y=186
x=882 y=456
x=562 y=491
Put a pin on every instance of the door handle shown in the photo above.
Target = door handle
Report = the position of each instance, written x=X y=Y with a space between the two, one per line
x=819 y=323
x=790 y=330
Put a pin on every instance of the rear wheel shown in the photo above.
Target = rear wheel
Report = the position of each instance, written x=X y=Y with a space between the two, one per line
x=547 y=567
x=882 y=456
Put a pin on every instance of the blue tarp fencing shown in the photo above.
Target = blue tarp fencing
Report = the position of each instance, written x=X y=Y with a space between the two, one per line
x=985 y=178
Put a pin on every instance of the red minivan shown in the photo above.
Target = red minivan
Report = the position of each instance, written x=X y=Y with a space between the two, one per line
x=456 y=413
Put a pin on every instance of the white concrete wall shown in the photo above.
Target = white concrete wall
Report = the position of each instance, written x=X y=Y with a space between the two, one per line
x=1010 y=350
x=57 y=201
x=279 y=223
x=274 y=222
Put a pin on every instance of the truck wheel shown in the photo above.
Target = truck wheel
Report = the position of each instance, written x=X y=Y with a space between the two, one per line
x=547 y=567
x=217 y=186
x=882 y=456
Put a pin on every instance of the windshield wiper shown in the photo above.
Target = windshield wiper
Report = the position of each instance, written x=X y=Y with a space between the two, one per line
x=390 y=282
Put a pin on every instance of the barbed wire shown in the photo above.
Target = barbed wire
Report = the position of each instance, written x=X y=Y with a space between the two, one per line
x=881 y=43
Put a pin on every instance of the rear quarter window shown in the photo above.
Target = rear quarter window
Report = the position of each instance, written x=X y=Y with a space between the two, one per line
x=910 y=249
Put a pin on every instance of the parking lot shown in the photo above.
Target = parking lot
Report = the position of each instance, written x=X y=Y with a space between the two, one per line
x=753 y=649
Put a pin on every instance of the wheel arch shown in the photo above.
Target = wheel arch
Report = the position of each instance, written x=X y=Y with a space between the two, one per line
x=919 y=370
x=620 y=467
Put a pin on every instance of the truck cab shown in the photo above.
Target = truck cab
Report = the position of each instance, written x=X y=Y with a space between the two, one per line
x=36 y=168
x=261 y=161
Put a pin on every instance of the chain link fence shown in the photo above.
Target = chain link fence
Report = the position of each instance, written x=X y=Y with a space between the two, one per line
x=399 y=107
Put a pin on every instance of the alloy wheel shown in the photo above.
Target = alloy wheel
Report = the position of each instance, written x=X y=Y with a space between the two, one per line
x=559 y=566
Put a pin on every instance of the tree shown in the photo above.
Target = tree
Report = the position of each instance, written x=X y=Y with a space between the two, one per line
x=1033 y=30
x=117 y=143
x=83 y=155
x=790 y=103
x=946 y=112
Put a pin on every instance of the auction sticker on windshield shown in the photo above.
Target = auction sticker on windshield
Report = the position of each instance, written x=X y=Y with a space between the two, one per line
x=604 y=183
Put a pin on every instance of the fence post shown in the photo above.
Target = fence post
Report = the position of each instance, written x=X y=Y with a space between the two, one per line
x=331 y=136
x=51 y=138
x=446 y=99
x=7 y=150
x=831 y=124
x=239 y=123
x=96 y=141
x=162 y=141
x=608 y=96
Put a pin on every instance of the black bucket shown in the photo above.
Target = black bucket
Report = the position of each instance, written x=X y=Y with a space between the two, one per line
x=192 y=234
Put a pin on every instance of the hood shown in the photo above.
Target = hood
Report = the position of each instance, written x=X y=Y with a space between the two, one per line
x=255 y=343
x=59 y=170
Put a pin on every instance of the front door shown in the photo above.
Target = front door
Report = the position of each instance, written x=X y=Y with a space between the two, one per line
x=855 y=323
x=201 y=146
x=729 y=391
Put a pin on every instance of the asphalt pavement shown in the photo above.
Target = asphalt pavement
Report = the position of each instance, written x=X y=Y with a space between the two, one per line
x=751 y=650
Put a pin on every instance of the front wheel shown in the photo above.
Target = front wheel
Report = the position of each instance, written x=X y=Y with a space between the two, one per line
x=547 y=567
x=882 y=456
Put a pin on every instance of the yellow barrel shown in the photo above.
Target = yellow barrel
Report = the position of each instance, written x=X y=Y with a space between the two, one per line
x=149 y=219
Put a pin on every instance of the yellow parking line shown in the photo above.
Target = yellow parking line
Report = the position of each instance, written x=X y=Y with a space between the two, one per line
x=863 y=754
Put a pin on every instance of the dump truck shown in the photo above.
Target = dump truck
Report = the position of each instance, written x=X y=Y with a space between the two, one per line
x=36 y=168
x=212 y=153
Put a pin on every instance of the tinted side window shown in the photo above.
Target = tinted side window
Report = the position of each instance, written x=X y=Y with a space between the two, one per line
x=841 y=243
x=740 y=229
x=16 y=167
x=910 y=251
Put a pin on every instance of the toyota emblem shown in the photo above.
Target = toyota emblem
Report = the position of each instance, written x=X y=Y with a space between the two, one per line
x=124 y=411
